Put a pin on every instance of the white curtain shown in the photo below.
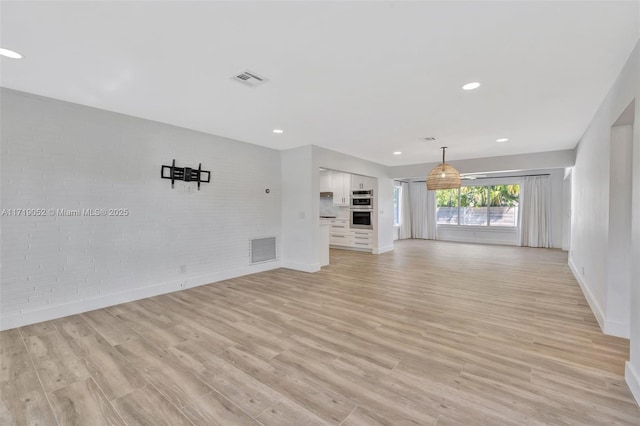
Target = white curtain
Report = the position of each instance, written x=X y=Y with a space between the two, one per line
x=405 y=212
x=535 y=212
x=423 y=211
x=432 y=225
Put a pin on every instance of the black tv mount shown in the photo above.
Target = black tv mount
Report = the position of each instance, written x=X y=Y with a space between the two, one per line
x=186 y=174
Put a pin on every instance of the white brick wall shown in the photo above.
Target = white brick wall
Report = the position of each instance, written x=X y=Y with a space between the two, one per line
x=60 y=155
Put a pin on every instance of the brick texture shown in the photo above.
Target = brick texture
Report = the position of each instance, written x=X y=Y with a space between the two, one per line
x=57 y=155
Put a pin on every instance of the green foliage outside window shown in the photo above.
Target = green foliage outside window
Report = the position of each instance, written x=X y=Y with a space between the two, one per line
x=479 y=205
x=505 y=195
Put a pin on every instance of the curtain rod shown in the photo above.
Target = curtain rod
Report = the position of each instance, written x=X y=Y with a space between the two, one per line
x=487 y=177
x=517 y=176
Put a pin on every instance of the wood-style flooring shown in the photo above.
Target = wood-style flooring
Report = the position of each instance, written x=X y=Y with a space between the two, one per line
x=433 y=333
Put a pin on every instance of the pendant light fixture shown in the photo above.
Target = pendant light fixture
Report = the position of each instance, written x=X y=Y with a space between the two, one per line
x=443 y=176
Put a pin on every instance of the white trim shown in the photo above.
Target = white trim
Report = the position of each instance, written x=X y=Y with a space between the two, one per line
x=617 y=328
x=360 y=249
x=612 y=328
x=595 y=307
x=303 y=267
x=384 y=249
x=19 y=319
x=633 y=380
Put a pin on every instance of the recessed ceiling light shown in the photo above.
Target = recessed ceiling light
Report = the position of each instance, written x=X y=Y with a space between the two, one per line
x=10 y=53
x=397 y=152
x=502 y=140
x=278 y=131
x=471 y=86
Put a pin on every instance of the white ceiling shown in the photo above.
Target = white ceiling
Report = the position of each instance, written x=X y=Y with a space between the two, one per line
x=363 y=78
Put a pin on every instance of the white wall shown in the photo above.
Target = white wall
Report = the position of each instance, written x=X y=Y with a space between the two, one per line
x=65 y=156
x=633 y=366
x=478 y=234
x=619 y=250
x=566 y=209
x=590 y=209
x=299 y=214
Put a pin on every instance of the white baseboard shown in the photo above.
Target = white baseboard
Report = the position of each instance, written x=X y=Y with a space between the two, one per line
x=633 y=380
x=27 y=317
x=612 y=328
x=595 y=306
x=384 y=249
x=303 y=267
x=616 y=328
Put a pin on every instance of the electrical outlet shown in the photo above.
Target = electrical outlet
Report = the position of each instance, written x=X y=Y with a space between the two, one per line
x=583 y=270
x=183 y=284
x=183 y=269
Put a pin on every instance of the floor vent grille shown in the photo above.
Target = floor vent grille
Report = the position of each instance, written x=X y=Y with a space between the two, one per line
x=263 y=249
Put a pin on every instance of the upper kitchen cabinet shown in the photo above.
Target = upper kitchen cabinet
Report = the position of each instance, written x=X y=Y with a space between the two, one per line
x=325 y=181
x=362 y=183
x=341 y=188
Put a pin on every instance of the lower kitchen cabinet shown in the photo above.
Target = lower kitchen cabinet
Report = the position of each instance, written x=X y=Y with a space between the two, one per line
x=341 y=235
x=361 y=239
x=339 y=240
x=339 y=232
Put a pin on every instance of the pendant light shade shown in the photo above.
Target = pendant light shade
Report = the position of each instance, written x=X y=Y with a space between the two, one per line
x=443 y=176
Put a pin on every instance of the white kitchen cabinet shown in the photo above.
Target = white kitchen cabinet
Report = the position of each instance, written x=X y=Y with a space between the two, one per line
x=341 y=188
x=356 y=182
x=370 y=182
x=325 y=181
x=339 y=232
x=361 y=239
x=360 y=183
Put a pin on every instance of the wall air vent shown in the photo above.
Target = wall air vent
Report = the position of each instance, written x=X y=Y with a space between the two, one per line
x=249 y=78
x=263 y=249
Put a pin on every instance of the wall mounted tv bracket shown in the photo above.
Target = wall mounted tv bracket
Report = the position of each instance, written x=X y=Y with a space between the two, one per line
x=186 y=174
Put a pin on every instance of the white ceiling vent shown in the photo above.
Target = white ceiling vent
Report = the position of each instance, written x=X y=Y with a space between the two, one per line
x=249 y=78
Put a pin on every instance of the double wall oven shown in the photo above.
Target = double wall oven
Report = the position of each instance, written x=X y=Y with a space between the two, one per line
x=362 y=209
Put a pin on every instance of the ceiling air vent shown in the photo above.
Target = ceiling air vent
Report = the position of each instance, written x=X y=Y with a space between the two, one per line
x=249 y=78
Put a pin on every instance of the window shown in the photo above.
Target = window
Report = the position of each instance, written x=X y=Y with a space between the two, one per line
x=503 y=207
x=495 y=205
x=473 y=205
x=447 y=206
x=397 y=191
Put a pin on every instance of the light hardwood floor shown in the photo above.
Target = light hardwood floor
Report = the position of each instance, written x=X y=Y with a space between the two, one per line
x=433 y=333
